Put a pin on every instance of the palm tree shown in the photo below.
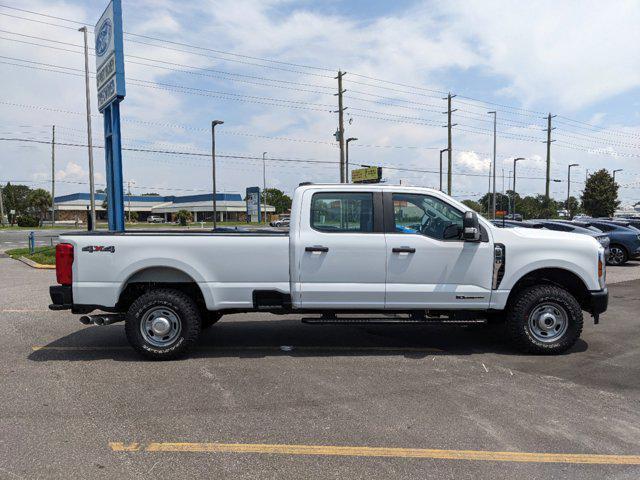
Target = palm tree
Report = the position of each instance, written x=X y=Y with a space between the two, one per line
x=39 y=200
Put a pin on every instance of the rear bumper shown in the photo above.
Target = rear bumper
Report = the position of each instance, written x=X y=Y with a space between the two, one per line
x=61 y=296
x=598 y=301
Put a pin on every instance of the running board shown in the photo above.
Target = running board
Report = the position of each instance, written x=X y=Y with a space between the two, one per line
x=388 y=321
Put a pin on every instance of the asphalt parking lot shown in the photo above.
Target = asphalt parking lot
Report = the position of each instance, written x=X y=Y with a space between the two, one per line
x=282 y=399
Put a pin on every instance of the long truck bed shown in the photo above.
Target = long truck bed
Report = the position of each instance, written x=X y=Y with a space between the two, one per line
x=219 y=262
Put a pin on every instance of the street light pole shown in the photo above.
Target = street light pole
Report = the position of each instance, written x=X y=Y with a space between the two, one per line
x=441 y=152
x=614 y=174
x=92 y=195
x=515 y=161
x=346 y=163
x=213 y=167
x=569 y=185
x=264 y=187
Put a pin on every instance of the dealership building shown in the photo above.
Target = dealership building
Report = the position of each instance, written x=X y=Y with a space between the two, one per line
x=230 y=207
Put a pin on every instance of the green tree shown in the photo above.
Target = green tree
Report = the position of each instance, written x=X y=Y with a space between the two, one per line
x=277 y=199
x=473 y=205
x=39 y=201
x=574 y=207
x=15 y=198
x=600 y=195
x=502 y=202
x=183 y=217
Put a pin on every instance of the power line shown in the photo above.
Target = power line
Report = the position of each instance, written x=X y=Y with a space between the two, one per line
x=243 y=157
x=512 y=110
x=298 y=65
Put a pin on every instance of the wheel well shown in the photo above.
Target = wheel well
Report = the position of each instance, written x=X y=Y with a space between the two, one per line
x=153 y=278
x=554 y=276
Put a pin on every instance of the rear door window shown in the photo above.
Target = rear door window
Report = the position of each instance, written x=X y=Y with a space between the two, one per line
x=342 y=212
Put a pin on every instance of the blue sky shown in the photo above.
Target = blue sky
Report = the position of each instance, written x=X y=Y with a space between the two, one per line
x=580 y=60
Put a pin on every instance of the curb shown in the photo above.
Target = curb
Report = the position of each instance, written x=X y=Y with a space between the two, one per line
x=33 y=264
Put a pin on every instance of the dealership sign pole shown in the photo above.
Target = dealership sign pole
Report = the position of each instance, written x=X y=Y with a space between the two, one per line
x=111 y=91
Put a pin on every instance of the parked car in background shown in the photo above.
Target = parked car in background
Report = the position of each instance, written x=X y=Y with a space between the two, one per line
x=625 y=222
x=625 y=241
x=564 y=226
x=155 y=219
x=283 y=221
x=513 y=224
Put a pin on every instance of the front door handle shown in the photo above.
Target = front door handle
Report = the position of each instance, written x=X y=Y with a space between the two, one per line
x=317 y=248
x=403 y=250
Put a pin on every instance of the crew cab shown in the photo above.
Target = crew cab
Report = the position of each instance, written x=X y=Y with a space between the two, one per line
x=351 y=249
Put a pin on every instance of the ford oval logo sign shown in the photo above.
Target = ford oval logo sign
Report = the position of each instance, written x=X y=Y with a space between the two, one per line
x=104 y=37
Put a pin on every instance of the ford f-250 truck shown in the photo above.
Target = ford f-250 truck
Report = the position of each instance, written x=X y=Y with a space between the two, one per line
x=374 y=249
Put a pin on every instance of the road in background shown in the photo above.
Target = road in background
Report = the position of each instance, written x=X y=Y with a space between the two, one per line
x=73 y=397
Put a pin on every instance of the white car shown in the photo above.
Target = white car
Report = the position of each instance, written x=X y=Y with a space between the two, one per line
x=283 y=221
x=155 y=219
x=350 y=249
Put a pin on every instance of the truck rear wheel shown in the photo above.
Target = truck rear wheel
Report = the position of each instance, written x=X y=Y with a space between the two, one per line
x=163 y=324
x=544 y=319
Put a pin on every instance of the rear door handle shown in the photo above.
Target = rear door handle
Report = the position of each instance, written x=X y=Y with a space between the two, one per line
x=318 y=248
x=403 y=250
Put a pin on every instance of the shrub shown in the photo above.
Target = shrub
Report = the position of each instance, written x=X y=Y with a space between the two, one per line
x=27 y=221
x=184 y=217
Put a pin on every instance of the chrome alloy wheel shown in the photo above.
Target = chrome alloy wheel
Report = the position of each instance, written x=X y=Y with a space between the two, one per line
x=160 y=326
x=548 y=322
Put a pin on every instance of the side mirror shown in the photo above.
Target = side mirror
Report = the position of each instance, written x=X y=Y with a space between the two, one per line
x=471 y=227
x=452 y=231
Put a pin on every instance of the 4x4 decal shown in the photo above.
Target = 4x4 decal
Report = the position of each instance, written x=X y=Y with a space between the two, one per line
x=99 y=248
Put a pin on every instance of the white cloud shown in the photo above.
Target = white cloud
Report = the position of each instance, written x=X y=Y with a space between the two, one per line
x=566 y=60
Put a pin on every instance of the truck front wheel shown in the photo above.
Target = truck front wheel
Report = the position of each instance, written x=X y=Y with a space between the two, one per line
x=544 y=319
x=163 y=324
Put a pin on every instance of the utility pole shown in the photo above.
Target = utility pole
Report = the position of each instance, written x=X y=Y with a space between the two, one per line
x=515 y=162
x=441 y=152
x=1 y=208
x=489 y=190
x=449 y=147
x=213 y=168
x=264 y=187
x=340 y=132
x=129 y=195
x=549 y=129
x=586 y=175
x=346 y=163
x=493 y=208
x=569 y=185
x=53 y=175
x=509 y=211
x=92 y=197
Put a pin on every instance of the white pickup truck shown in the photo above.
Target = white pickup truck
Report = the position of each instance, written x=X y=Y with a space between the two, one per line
x=351 y=249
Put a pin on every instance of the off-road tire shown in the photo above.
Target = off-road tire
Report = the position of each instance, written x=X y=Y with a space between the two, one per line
x=523 y=305
x=187 y=312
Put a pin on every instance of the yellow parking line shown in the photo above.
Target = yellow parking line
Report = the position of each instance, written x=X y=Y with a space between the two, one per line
x=329 y=450
x=312 y=348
